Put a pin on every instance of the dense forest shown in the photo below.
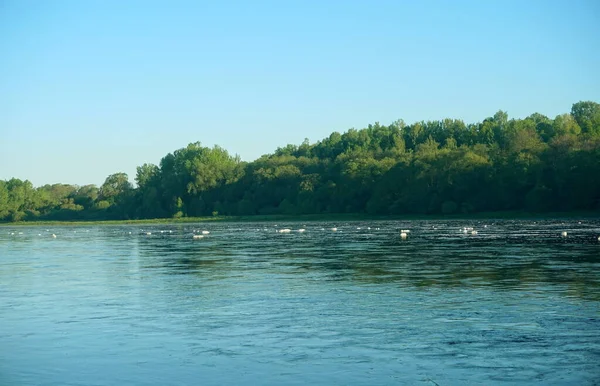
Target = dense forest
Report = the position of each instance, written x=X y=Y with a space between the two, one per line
x=534 y=164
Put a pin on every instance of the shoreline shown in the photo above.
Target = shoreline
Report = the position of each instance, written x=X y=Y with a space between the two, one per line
x=320 y=218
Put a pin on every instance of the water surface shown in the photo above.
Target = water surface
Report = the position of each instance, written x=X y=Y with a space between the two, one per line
x=516 y=303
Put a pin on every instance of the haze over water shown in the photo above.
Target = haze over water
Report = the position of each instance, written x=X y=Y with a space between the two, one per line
x=106 y=305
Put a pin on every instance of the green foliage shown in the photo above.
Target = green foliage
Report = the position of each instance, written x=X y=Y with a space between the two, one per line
x=587 y=115
x=102 y=205
x=114 y=187
x=447 y=166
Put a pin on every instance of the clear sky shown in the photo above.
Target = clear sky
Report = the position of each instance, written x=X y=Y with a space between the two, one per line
x=90 y=88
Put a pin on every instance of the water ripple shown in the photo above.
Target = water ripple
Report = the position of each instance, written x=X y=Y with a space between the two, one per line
x=515 y=303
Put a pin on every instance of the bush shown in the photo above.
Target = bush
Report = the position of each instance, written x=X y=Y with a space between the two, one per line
x=17 y=216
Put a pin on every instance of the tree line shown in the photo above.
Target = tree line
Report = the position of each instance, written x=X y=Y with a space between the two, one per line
x=535 y=164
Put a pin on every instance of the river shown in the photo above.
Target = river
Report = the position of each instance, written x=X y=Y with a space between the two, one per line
x=516 y=303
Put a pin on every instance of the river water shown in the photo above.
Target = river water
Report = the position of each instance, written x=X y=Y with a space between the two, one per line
x=517 y=303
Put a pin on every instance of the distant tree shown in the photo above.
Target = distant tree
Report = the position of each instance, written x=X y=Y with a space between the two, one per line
x=114 y=187
x=587 y=115
x=441 y=166
x=86 y=196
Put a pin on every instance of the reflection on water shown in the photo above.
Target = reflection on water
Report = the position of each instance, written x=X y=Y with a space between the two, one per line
x=516 y=303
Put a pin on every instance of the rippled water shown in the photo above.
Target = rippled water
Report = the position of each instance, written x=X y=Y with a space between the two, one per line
x=112 y=305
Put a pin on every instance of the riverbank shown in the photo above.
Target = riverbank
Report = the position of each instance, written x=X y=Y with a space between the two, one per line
x=320 y=217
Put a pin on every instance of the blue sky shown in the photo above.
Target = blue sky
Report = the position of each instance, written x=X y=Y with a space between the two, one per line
x=90 y=88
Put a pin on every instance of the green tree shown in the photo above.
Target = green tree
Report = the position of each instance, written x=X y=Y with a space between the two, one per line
x=587 y=115
x=565 y=124
x=114 y=188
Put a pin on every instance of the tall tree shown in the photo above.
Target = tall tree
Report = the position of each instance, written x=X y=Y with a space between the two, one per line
x=587 y=115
